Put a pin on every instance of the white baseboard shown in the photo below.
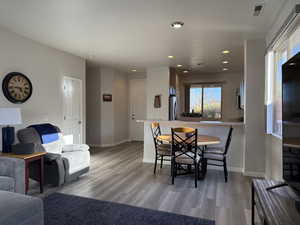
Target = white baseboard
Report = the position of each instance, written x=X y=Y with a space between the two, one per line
x=108 y=145
x=254 y=174
x=94 y=145
x=231 y=169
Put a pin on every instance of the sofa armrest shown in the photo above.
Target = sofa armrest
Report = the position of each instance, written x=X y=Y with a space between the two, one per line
x=14 y=168
x=49 y=157
x=75 y=148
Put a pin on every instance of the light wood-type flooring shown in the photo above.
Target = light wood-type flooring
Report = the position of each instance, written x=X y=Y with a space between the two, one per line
x=118 y=174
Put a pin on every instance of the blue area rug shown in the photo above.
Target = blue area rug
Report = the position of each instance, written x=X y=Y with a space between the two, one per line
x=61 y=209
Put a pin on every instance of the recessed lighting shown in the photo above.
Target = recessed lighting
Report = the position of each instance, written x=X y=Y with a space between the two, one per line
x=179 y=65
x=225 y=69
x=225 y=51
x=133 y=70
x=177 y=24
x=225 y=62
x=185 y=71
x=171 y=57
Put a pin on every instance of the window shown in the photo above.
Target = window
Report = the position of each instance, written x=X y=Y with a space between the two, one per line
x=206 y=100
x=276 y=57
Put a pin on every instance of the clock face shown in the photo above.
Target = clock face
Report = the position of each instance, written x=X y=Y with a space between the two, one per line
x=16 y=87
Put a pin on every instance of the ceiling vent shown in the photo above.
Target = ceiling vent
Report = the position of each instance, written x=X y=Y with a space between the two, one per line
x=258 y=9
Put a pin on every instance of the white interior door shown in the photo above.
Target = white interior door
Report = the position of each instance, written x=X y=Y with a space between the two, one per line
x=72 y=125
x=137 y=99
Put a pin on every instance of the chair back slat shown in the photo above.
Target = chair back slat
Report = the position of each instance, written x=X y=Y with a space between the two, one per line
x=156 y=131
x=184 y=142
x=228 y=141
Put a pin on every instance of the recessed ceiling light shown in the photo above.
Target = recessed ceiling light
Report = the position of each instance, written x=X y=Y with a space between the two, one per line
x=171 y=57
x=177 y=24
x=225 y=62
x=185 y=71
x=225 y=69
x=179 y=65
x=225 y=51
x=133 y=70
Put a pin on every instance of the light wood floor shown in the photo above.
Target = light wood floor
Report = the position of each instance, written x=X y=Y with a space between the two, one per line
x=117 y=174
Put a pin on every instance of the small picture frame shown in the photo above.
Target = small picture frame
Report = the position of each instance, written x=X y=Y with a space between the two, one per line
x=107 y=98
x=157 y=101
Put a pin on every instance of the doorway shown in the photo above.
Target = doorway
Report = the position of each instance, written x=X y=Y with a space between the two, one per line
x=137 y=101
x=72 y=110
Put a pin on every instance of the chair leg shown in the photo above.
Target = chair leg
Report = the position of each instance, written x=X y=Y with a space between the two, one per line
x=196 y=174
x=161 y=161
x=155 y=163
x=198 y=171
x=225 y=170
x=173 y=167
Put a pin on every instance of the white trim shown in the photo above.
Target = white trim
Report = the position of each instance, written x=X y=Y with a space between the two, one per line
x=276 y=136
x=231 y=169
x=94 y=145
x=81 y=103
x=254 y=174
x=109 y=145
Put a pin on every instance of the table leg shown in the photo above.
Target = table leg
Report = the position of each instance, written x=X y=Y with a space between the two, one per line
x=41 y=174
x=26 y=176
x=252 y=205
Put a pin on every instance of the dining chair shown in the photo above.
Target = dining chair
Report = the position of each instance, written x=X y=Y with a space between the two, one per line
x=217 y=156
x=162 y=150
x=184 y=151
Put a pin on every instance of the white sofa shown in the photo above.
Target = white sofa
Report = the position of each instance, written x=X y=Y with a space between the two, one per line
x=63 y=163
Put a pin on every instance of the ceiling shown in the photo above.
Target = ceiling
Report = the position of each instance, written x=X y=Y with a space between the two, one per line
x=130 y=34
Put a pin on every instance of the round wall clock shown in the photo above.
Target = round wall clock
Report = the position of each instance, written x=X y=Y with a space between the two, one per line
x=16 y=87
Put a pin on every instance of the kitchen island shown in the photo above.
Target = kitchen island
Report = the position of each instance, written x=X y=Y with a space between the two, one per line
x=212 y=128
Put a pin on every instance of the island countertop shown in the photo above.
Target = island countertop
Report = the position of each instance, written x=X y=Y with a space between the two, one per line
x=193 y=123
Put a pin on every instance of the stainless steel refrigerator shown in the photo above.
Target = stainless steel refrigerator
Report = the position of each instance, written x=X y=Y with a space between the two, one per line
x=172 y=107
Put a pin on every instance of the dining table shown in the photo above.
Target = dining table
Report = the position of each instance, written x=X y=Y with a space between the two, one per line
x=202 y=141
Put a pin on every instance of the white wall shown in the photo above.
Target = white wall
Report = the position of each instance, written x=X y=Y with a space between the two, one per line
x=157 y=83
x=45 y=67
x=231 y=82
x=254 y=158
x=93 y=106
x=274 y=158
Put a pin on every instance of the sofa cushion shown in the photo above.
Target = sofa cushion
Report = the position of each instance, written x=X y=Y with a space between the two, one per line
x=29 y=135
x=20 y=209
x=7 y=184
x=55 y=146
x=77 y=160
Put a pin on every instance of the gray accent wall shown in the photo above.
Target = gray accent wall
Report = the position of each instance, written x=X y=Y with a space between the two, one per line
x=93 y=106
x=107 y=122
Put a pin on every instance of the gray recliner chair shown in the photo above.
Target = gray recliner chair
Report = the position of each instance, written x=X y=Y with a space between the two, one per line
x=62 y=164
x=12 y=175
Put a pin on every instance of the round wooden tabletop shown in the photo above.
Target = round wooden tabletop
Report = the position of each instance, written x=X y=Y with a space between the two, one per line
x=202 y=139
